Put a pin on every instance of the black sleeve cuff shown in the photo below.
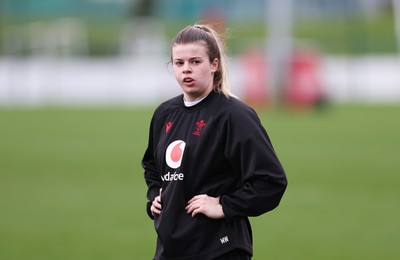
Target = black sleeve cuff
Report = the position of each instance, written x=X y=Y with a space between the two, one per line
x=148 y=210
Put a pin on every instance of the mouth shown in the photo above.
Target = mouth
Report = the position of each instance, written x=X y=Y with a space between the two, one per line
x=188 y=81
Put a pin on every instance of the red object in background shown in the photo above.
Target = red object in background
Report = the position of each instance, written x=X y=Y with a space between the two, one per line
x=304 y=86
x=255 y=78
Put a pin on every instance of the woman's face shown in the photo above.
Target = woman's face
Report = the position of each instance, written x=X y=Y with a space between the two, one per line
x=193 y=70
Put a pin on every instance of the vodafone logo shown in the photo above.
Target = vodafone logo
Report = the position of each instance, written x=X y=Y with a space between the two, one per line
x=173 y=157
x=174 y=153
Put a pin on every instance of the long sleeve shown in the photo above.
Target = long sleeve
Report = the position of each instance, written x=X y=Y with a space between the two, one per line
x=250 y=152
x=151 y=174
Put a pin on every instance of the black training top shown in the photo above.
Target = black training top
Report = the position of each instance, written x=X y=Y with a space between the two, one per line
x=219 y=148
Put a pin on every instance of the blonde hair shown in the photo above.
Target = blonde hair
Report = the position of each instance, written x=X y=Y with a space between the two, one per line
x=215 y=45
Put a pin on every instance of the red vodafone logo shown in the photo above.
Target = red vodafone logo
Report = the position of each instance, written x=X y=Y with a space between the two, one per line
x=174 y=153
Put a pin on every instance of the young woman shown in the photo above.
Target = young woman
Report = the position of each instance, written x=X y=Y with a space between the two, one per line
x=209 y=164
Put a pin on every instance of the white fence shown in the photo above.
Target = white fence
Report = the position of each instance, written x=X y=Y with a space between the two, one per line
x=142 y=81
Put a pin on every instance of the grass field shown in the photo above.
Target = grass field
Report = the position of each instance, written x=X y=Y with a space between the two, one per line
x=71 y=185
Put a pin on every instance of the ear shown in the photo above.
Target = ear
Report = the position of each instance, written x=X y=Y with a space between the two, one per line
x=214 y=65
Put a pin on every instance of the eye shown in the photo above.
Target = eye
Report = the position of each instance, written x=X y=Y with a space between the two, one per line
x=196 y=61
x=178 y=63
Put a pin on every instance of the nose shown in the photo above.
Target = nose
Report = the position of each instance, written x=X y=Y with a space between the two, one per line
x=186 y=68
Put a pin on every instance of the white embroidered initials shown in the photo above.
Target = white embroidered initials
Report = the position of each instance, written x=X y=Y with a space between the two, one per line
x=224 y=239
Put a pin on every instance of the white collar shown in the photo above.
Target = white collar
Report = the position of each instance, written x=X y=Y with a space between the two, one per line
x=192 y=103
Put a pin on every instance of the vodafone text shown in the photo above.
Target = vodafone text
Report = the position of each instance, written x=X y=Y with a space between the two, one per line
x=172 y=177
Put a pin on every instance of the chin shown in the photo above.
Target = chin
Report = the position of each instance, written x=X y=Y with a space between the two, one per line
x=190 y=90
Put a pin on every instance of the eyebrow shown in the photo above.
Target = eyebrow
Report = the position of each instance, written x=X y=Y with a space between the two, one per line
x=191 y=58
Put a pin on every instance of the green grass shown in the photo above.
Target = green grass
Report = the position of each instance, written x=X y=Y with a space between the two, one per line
x=71 y=185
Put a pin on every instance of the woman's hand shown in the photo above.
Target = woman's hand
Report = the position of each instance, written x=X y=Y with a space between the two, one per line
x=156 y=205
x=206 y=205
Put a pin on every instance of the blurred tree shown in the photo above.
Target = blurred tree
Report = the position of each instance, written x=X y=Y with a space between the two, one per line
x=142 y=8
x=396 y=14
